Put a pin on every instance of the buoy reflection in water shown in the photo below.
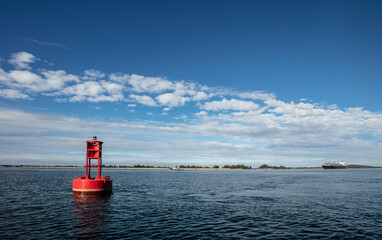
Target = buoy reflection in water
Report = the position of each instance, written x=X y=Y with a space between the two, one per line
x=90 y=214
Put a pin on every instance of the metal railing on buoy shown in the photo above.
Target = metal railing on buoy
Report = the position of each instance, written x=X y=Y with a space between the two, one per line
x=86 y=183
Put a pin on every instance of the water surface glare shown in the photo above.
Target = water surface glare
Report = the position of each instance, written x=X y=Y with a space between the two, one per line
x=37 y=203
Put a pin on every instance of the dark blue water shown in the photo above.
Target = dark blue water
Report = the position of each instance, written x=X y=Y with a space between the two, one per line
x=161 y=204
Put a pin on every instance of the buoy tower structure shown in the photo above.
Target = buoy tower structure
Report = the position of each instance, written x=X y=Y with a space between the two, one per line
x=86 y=183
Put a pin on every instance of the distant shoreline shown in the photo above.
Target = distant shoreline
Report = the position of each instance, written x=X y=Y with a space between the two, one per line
x=182 y=169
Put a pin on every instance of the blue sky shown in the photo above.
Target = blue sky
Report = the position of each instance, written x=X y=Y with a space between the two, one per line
x=295 y=83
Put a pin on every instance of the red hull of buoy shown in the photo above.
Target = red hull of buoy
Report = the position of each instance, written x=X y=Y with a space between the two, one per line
x=92 y=186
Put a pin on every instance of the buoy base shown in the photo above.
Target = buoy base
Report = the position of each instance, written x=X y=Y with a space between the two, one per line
x=92 y=186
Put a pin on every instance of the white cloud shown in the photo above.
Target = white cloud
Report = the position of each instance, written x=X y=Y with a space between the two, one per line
x=25 y=79
x=92 y=74
x=147 y=84
x=256 y=95
x=93 y=91
x=13 y=94
x=29 y=82
x=83 y=91
x=180 y=92
x=21 y=60
x=233 y=104
x=184 y=88
x=101 y=98
x=4 y=78
x=172 y=99
x=143 y=99
x=183 y=116
x=56 y=80
x=295 y=109
x=113 y=89
x=202 y=113
x=117 y=77
x=199 y=96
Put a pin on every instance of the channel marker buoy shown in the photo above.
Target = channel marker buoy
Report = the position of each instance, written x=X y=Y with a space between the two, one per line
x=86 y=183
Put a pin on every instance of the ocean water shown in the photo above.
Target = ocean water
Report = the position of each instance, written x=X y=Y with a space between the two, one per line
x=38 y=203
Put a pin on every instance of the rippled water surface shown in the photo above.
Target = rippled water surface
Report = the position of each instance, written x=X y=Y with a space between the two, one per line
x=160 y=204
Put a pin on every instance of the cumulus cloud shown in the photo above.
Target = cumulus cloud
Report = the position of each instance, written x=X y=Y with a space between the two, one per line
x=22 y=83
x=233 y=104
x=256 y=95
x=93 y=91
x=149 y=84
x=118 y=77
x=26 y=82
x=93 y=74
x=142 y=84
x=25 y=79
x=83 y=91
x=56 y=80
x=94 y=87
x=172 y=99
x=201 y=113
x=4 y=78
x=13 y=94
x=199 y=96
x=21 y=60
x=143 y=99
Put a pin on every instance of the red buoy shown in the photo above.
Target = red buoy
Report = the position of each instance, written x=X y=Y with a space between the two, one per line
x=87 y=183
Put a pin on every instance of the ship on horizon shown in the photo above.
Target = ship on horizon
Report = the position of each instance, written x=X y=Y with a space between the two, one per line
x=334 y=165
x=176 y=169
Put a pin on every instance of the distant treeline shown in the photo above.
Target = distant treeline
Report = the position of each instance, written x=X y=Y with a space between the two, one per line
x=265 y=166
x=36 y=166
x=238 y=166
x=135 y=166
x=193 y=166
x=360 y=166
